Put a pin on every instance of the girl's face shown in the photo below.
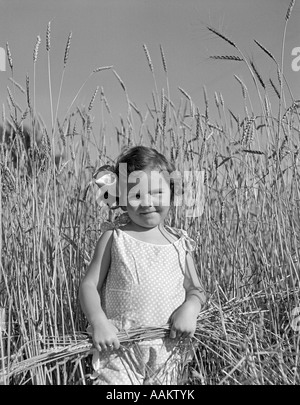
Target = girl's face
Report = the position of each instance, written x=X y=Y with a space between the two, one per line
x=148 y=200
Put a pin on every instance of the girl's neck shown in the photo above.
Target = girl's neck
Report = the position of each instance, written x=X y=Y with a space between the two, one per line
x=156 y=235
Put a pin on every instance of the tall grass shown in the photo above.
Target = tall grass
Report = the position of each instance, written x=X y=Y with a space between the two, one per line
x=247 y=236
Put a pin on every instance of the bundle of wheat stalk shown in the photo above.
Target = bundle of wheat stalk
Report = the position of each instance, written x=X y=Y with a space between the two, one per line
x=231 y=331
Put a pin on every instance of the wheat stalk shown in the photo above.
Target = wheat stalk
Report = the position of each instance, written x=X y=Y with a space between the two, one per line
x=205 y=102
x=28 y=92
x=250 y=66
x=11 y=97
x=209 y=332
x=48 y=46
x=185 y=93
x=66 y=56
x=3 y=117
x=16 y=84
x=227 y=57
x=221 y=99
x=248 y=128
x=257 y=74
x=265 y=50
x=214 y=31
x=103 y=98
x=289 y=10
x=163 y=59
x=9 y=57
x=281 y=75
x=48 y=37
x=99 y=69
x=274 y=88
x=55 y=349
x=150 y=64
x=243 y=86
x=24 y=115
x=255 y=152
x=93 y=99
x=67 y=49
x=120 y=80
x=36 y=49
x=96 y=70
x=35 y=55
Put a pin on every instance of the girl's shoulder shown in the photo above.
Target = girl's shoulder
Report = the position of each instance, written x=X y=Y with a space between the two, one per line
x=106 y=237
x=104 y=243
x=178 y=233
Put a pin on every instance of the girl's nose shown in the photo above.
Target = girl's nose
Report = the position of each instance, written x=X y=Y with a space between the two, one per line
x=146 y=200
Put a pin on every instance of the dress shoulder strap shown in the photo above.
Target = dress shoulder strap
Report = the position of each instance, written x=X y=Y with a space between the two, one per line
x=189 y=244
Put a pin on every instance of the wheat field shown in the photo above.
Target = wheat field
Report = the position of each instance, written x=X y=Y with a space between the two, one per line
x=247 y=234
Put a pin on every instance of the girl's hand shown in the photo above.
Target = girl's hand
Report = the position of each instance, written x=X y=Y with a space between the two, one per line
x=104 y=335
x=184 y=321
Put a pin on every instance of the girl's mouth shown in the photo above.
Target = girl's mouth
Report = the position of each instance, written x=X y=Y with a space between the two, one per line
x=147 y=212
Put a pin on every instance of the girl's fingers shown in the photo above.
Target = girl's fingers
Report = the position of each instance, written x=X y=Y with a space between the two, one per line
x=174 y=333
x=108 y=346
x=98 y=347
x=104 y=346
x=114 y=345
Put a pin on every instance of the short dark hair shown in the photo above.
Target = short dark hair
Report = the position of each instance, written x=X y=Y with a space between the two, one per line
x=142 y=157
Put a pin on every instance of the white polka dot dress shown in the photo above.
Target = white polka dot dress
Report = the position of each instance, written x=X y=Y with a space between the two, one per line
x=144 y=286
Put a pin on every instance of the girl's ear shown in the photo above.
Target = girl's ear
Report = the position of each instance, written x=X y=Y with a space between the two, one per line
x=177 y=190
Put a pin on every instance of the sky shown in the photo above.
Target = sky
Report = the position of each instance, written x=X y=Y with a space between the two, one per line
x=112 y=32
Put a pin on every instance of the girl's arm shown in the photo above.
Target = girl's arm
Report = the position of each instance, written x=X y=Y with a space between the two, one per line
x=192 y=283
x=184 y=319
x=104 y=332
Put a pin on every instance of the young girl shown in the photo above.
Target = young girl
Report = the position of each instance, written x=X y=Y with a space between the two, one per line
x=142 y=274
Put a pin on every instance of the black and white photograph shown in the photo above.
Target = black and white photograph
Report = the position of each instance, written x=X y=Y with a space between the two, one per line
x=149 y=195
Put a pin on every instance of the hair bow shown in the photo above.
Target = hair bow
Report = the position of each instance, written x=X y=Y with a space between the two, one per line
x=107 y=181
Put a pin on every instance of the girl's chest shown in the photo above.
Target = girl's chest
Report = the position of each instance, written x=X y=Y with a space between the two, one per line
x=148 y=266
